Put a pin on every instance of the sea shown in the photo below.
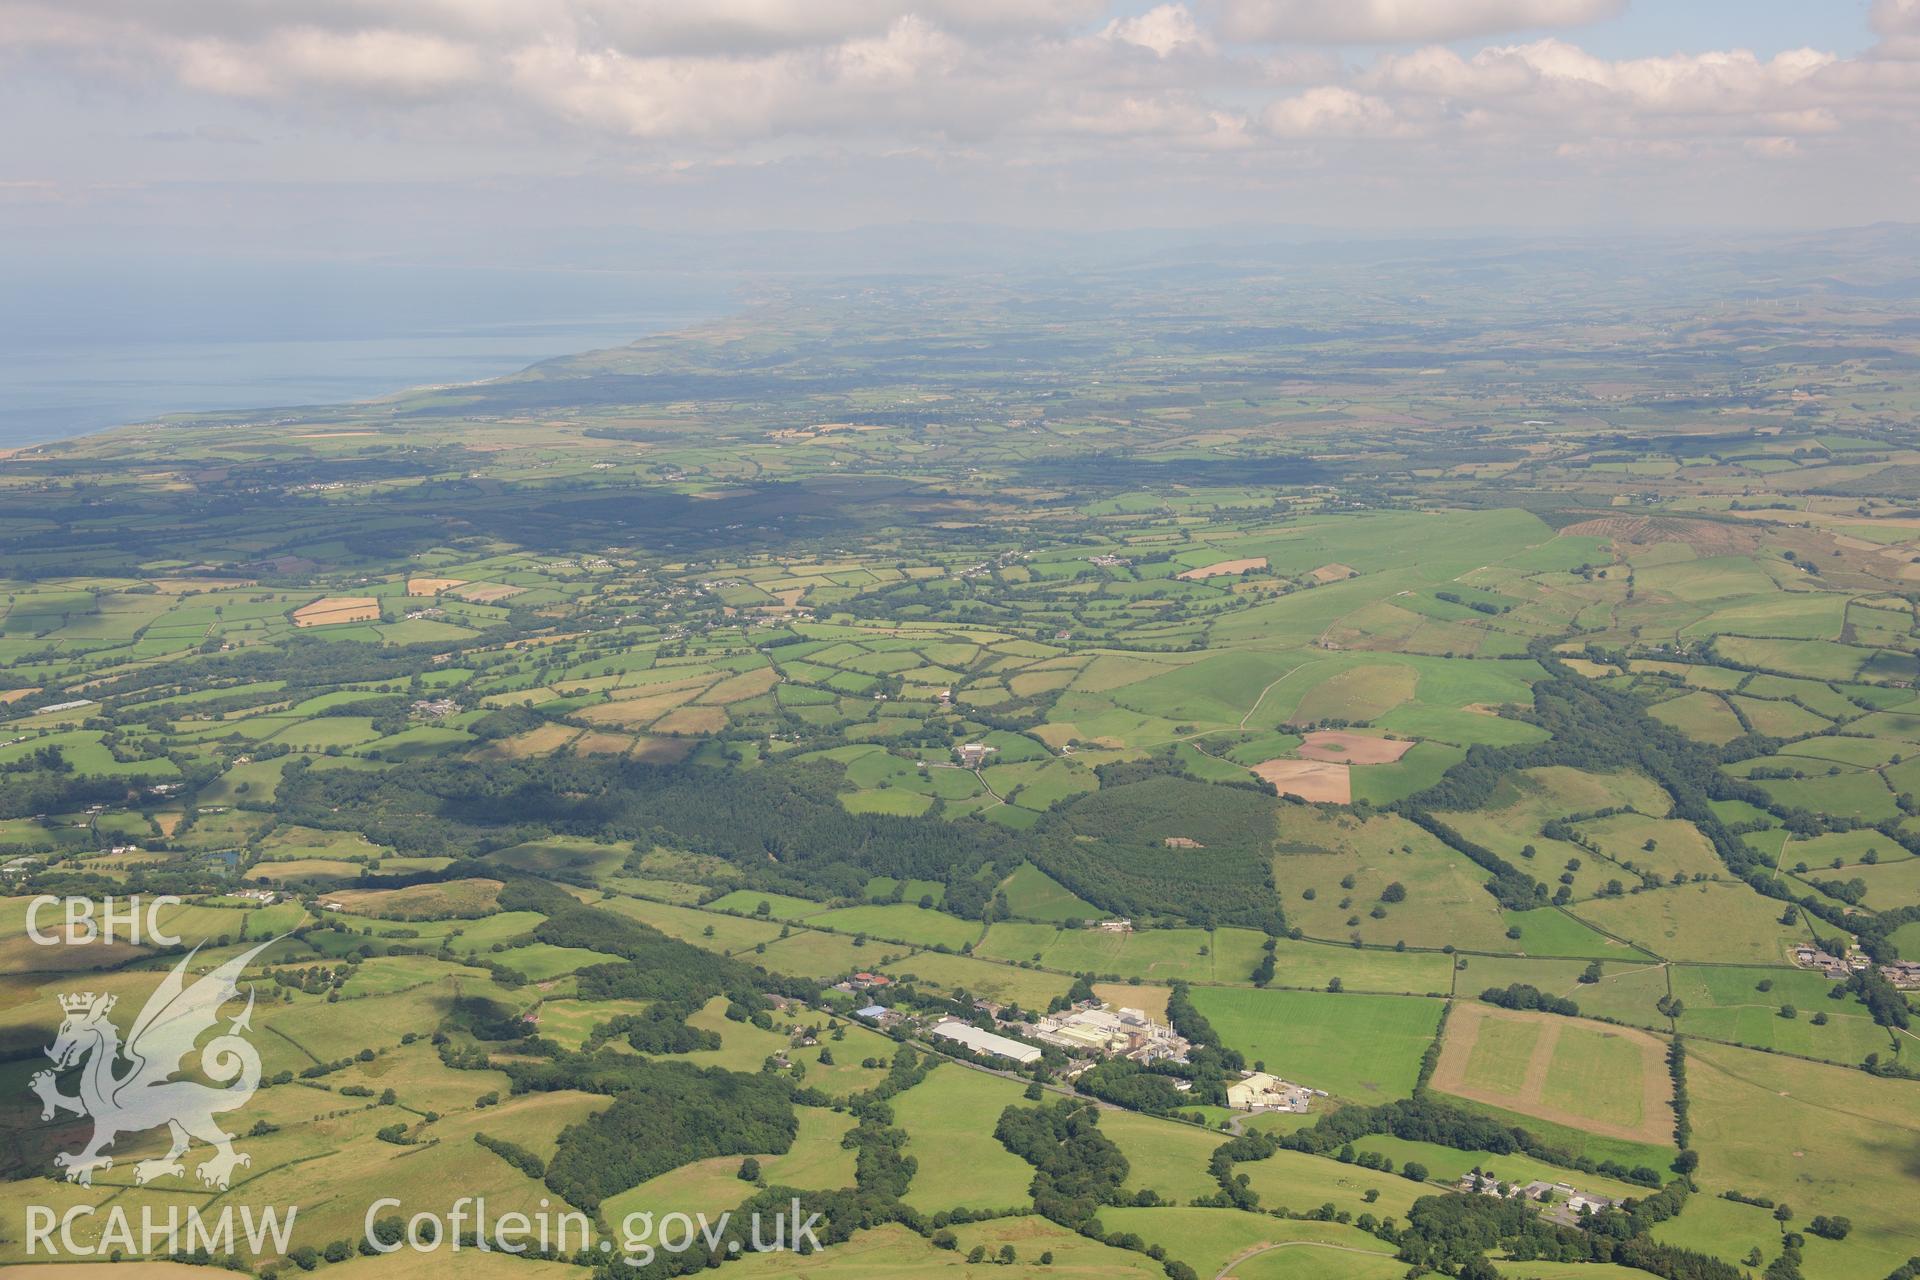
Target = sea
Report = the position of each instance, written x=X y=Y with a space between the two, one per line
x=94 y=345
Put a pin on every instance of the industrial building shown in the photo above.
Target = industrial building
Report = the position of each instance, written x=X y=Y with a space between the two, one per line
x=979 y=1041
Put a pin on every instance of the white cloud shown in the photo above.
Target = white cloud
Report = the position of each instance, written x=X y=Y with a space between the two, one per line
x=1401 y=21
x=1894 y=17
x=1186 y=124
x=1624 y=149
x=1213 y=90
x=1897 y=23
x=1550 y=86
x=372 y=61
x=857 y=85
x=1162 y=29
x=1331 y=111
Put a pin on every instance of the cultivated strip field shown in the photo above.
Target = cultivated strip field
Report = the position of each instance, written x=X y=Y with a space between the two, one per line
x=1587 y=1075
x=334 y=609
x=1222 y=568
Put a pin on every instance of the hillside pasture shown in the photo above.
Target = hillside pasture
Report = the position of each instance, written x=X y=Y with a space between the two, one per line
x=1823 y=1139
x=1712 y=923
x=949 y=1119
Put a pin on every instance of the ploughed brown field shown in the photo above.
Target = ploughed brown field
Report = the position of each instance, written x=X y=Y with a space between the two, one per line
x=1221 y=568
x=487 y=592
x=1308 y=779
x=1352 y=748
x=337 y=609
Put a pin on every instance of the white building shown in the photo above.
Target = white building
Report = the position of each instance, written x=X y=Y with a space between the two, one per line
x=1126 y=1033
x=1257 y=1090
x=974 y=754
x=986 y=1042
x=64 y=706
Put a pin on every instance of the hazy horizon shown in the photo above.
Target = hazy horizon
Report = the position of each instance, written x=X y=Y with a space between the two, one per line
x=470 y=186
x=103 y=341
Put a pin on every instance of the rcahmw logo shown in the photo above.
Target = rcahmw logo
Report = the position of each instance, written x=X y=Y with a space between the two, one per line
x=142 y=1094
x=85 y=925
x=158 y=1231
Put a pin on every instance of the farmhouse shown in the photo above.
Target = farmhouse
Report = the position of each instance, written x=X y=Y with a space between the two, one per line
x=1566 y=1201
x=1902 y=973
x=862 y=982
x=1810 y=957
x=980 y=1041
x=973 y=754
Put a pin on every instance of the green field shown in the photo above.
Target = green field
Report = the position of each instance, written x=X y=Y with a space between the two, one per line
x=949 y=1118
x=1716 y=923
x=1300 y=1183
x=900 y=922
x=1363 y=1048
x=1165 y=1157
x=1156 y=955
x=1210 y=1239
x=1830 y=1137
x=1033 y=894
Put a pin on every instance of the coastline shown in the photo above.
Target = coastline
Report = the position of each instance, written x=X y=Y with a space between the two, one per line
x=58 y=386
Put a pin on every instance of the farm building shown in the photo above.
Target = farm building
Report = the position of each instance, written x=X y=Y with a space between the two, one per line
x=1567 y=1201
x=73 y=705
x=1259 y=1091
x=862 y=982
x=880 y=1016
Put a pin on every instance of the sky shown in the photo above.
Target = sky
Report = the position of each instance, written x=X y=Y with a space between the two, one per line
x=537 y=131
